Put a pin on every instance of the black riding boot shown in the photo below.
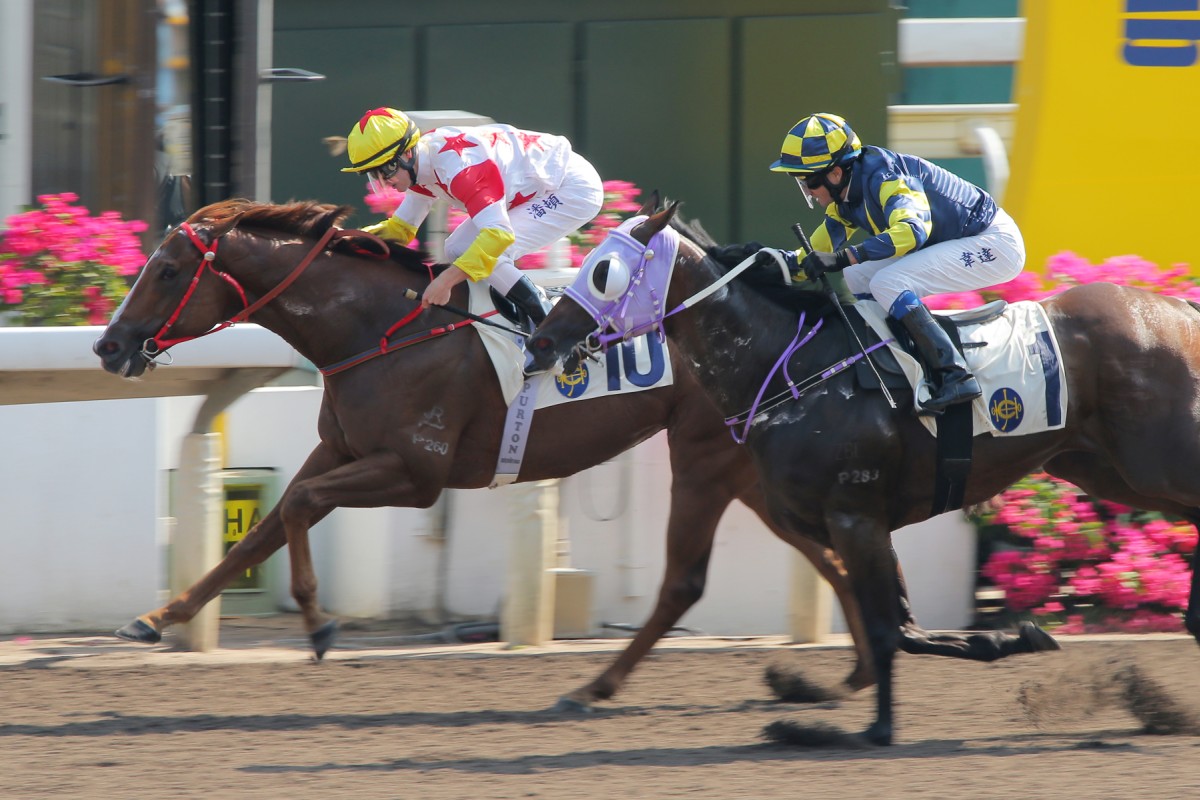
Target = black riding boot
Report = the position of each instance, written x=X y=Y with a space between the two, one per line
x=950 y=379
x=529 y=298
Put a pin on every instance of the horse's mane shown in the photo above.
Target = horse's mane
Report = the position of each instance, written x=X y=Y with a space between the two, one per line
x=765 y=281
x=307 y=218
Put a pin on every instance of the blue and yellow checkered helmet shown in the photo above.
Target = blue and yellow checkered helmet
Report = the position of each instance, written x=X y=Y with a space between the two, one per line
x=817 y=143
x=377 y=138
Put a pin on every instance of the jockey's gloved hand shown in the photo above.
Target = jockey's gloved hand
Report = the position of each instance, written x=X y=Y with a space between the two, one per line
x=817 y=264
x=391 y=228
x=732 y=254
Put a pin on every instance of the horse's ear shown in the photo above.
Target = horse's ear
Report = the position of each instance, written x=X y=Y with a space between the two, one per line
x=660 y=219
x=653 y=203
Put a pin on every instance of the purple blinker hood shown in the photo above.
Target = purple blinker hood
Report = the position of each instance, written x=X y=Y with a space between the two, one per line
x=639 y=309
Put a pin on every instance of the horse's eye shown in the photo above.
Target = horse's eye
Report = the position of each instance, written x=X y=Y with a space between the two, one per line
x=168 y=274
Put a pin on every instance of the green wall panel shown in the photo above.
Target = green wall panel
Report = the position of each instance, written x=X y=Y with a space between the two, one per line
x=363 y=69
x=690 y=98
x=793 y=67
x=519 y=74
x=322 y=15
x=658 y=110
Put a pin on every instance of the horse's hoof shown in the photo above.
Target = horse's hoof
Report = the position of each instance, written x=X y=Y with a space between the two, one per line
x=1037 y=639
x=140 y=632
x=569 y=705
x=878 y=734
x=323 y=638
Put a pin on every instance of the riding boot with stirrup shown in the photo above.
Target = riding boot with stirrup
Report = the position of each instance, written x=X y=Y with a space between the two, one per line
x=529 y=298
x=950 y=380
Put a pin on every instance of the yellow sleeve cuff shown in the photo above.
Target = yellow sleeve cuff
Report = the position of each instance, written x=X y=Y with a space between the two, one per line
x=480 y=258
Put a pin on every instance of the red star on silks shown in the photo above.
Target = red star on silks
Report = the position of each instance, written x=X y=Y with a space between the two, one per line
x=441 y=185
x=374 y=112
x=528 y=139
x=457 y=144
x=498 y=139
x=520 y=199
x=419 y=189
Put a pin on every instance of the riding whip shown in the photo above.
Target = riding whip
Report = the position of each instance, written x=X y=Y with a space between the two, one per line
x=833 y=298
x=411 y=295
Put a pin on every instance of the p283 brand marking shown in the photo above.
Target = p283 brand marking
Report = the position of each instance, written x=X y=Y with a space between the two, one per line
x=858 y=476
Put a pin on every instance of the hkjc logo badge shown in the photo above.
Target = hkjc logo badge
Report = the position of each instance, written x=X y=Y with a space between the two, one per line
x=574 y=384
x=1006 y=410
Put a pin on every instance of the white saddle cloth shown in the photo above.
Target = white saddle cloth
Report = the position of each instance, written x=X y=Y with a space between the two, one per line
x=1017 y=360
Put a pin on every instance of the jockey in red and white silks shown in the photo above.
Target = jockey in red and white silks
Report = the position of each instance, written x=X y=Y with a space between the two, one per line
x=520 y=189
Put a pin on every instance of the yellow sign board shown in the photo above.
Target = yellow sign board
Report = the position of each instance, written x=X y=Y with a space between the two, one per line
x=1105 y=153
x=243 y=510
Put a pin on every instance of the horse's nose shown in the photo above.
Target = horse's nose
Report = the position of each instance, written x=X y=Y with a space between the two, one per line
x=105 y=346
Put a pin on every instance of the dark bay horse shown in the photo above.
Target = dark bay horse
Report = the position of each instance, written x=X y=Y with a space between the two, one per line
x=840 y=466
x=339 y=306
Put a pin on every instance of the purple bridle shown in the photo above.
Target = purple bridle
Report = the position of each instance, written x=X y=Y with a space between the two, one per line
x=618 y=320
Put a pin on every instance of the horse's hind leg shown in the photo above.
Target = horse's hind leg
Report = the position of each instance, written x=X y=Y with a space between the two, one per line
x=981 y=646
x=380 y=479
x=259 y=543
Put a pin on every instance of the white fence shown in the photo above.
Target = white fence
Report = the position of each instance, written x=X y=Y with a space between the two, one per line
x=86 y=526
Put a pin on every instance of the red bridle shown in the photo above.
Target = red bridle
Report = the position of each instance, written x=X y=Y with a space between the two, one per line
x=158 y=343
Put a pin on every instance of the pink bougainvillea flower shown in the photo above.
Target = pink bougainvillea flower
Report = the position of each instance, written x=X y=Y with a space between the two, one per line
x=60 y=265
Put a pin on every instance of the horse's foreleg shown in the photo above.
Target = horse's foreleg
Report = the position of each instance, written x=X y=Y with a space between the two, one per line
x=830 y=567
x=695 y=512
x=380 y=479
x=259 y=543
x=864 y=545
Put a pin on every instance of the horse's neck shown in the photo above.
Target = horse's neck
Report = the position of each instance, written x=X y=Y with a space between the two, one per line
x=339 y=306
x=731 y=339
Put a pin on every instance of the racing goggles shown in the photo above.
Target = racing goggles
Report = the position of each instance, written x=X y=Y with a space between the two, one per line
x=809 y=182
x=377 y=179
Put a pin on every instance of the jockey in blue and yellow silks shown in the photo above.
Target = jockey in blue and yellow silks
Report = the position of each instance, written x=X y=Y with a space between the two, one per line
x=520 y=189
x=928 y=232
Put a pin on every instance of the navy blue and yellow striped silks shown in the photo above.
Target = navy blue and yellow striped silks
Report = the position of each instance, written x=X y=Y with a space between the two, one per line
x=904 y=203
x=815 y=143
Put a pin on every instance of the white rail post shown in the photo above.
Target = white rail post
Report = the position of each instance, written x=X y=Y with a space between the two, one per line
x=810 y=602
x=528 y=615
x=196 y=543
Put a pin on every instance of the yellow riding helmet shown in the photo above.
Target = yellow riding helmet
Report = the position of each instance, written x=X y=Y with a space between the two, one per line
x=378 y=137
x=816 y=143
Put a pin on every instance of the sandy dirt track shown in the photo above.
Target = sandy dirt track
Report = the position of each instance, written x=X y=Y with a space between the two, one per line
x=92 y=718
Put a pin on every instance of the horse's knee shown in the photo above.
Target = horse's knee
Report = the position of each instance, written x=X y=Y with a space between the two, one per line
x=297 y=505
x=685 y=590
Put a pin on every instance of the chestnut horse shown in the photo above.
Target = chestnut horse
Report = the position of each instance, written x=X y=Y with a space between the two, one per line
x=841 y=467
x=339 y=306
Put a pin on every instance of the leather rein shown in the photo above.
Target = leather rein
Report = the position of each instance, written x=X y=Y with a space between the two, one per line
x=157 y=345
